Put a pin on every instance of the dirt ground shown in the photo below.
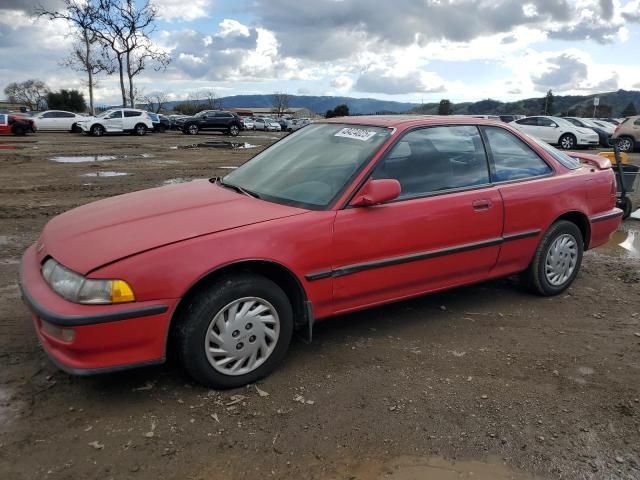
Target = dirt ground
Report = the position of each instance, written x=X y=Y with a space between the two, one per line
x=484 y=382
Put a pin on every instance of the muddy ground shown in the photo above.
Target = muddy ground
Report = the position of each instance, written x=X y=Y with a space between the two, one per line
x=485 y=379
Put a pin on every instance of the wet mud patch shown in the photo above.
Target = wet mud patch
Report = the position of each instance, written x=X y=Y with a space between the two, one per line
x=96 y=158
x=221 y=144
x=625 y=243
x=106 y=174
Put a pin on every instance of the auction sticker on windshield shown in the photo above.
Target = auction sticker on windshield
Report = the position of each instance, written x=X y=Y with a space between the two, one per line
x=355 y=133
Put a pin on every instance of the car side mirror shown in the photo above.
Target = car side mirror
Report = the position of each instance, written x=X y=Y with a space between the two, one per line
x=375 y=192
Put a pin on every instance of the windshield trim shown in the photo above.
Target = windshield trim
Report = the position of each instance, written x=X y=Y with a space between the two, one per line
x=347 y=184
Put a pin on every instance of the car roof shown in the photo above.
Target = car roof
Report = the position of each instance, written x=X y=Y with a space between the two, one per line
x=396 y=121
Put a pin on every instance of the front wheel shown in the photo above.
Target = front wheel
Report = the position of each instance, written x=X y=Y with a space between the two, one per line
x=97 y=130
x=19 y=130
x=567 y=141
x=557 y=260
x=235 y=332
x=191 y=129
x=234 y=130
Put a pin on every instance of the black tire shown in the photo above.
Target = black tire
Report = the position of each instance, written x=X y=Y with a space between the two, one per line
x=161 y=129
x=195 y=318
x=191 y=129
x=234 y=130
x=97 y=130
x=19 y=130
x=140 y=130
x=567 y=141
x=535 y=276
x=626 y=144
x=627 y=207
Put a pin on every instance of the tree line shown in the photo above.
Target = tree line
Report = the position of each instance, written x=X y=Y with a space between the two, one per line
x=109 y=37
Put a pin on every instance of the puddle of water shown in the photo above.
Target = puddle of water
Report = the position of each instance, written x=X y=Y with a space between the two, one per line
x=105 y=174
x=82 y=158
x=221 y=144
x=436 y=468
x=636 y=214
x=623 y=243
x=175 y=181
x=95 y=158
x=227 y=168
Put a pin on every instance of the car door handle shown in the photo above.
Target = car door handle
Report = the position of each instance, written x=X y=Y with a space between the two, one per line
x=479 y=205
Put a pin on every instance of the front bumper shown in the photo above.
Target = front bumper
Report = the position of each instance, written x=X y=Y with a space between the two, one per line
x=104 y=338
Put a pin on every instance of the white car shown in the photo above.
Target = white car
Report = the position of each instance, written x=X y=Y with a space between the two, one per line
x=557 y=131
x=58 y=120
x=267 y=124
x=117 y=120
x=248 y=123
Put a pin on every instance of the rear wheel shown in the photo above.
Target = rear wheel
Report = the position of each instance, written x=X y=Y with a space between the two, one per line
x=557 y=260
x=626 y=144
x=567 y=141
x=19 y=130
x=140 y=129
x=97 y=130
x=235 y=332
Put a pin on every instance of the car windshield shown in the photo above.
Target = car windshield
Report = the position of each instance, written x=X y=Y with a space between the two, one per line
x=104 y=114
x=310 y=167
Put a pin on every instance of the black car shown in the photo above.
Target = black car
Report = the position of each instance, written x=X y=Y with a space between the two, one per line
x=215 y=120
x=160 y=122
x=603 y=136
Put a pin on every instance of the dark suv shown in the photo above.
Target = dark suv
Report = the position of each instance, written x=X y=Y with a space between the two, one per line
x=212 y=120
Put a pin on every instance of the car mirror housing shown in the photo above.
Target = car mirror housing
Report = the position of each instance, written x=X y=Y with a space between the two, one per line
x=375 y=192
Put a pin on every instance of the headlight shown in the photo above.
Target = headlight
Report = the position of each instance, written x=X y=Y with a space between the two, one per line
x=76 y=288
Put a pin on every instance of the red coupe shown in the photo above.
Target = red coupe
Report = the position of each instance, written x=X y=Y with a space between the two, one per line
x=16 y=125
x=339 y=216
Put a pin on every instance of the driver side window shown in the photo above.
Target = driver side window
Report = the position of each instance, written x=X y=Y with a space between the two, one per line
x=117 y=114
x=435 y=159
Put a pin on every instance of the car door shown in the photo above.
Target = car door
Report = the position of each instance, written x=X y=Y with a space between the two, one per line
x=526 y=183
x=443 y=230
x=64 y=120
x=548 y=130
x=114 y=122
x=46 y=121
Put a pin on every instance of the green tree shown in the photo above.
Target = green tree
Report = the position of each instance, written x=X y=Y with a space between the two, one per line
x=629 y=110
x=340 y=111
x=445 y=107
x=547 y=103
x=604 y=110
x=70 y=100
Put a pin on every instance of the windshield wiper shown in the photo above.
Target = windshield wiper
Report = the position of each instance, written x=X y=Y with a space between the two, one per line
x=236 y=188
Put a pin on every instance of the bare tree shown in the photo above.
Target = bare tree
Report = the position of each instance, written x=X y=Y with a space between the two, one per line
x=87 y=54
x=32 y=93
x=126 y=27
x=209 y=99
x=280 y=103
x=155 y=101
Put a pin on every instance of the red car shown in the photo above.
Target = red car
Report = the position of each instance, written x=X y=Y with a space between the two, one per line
x=16 y=125
x=340 y=216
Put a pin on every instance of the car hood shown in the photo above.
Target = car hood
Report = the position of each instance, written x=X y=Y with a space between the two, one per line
x=102 y=232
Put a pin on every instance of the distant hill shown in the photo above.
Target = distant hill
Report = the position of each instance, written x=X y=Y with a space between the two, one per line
x=317 y=104
x=579 y=105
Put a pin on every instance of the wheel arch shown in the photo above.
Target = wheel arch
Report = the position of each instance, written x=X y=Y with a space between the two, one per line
x=274 y=271
x=581 y=221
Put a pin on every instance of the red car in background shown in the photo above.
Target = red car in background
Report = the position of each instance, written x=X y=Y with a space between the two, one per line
x=340 y=216
x=16 y=125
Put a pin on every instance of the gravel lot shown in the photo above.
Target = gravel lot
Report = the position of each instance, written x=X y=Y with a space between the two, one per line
x=485 y=379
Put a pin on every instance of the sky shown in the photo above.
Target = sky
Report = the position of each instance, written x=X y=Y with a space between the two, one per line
x=404 y=50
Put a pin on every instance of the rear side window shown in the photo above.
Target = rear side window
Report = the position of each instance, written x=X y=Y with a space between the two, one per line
x=637 y=122
x=569 y=162
x=512 y=158
x=65 y=115
x=435 y=159
x=528 y=121
x=131 y=113
x=545 y=122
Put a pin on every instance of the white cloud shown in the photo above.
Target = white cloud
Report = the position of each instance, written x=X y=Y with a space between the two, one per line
x=183 y=10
